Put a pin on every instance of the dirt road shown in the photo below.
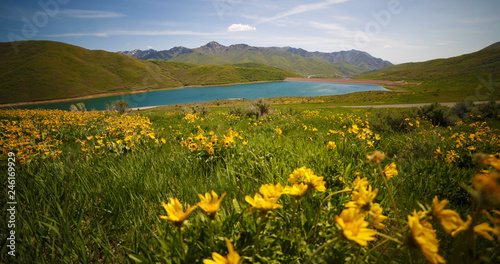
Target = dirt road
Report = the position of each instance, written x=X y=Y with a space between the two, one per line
x=406 y=105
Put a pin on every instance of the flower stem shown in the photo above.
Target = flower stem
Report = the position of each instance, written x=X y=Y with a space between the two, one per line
x=212 y=234
x=321 y=248
x=390 y=196
x=295 y=207
x=182 y=245
x=313 y=228
x=256 y=245
x=357 y=255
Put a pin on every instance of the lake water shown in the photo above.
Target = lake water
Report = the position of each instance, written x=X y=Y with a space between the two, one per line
x=200 y=94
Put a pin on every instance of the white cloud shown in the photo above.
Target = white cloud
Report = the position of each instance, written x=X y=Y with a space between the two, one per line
x=338 y=30
x=78 y=13
x=302 y=8
x=240 y=27
x=150 y=47
x=387 y=46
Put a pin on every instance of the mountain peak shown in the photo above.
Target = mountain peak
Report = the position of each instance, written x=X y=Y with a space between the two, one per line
x=213 y=44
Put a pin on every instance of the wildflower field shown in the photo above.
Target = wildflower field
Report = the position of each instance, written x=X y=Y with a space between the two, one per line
x=300 y=183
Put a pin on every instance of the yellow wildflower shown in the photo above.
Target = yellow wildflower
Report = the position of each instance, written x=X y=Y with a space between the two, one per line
x=451 y=156
x=271 y=191
x=485 y=229
x=262 y=204
x=424 y=236
x=450 y=220
x=354 y=129
x=390 y=171
x=193 y=146
x=471 y=148
x=200 y=138
x=226 y=143
x=306 y=176
x=210 y=203
x=359 y=183
x=491 y=160
x=213 y=140
x=437 y=153
x=362 y=198
x=232 y=257
x=487 y=185
x=209 y=149
x=376 y=157
x=376 y=216
x=331 y=145
x=353 y=225
x=176 y=212
x=296 y=190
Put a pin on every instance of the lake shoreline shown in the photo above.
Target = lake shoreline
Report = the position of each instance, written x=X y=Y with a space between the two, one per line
x=90 y=96
x=348 y=81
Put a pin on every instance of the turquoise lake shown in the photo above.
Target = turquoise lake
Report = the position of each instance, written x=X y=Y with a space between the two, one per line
x=200 y=94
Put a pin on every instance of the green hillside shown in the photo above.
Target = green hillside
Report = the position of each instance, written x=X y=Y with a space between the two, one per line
x=44 y=70
x=216 y=54
x=476 y=74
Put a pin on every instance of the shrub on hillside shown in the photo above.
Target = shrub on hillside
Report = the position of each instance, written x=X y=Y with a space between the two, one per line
x=439 y=115
x=120 y=106
x=489 y=110
x=463 y=109
x=393 y=121
x=79 y=107
x=257 y=109
x=263 y=107
x=197 y=109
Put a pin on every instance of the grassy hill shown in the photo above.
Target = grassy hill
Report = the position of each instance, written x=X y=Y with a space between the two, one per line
x=44 y=70
x=470 y=75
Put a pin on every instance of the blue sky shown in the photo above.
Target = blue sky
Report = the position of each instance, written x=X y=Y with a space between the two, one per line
x=395 y=30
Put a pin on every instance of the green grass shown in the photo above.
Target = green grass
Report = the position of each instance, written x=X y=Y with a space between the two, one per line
x=105 y=207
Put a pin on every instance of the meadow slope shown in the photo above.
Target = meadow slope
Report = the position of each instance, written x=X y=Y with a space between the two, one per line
x=89 y=186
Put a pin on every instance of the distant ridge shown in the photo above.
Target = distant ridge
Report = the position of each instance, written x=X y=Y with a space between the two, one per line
x=317 y=64
x=45 y=70
x=493 y=46
x=476 y=75
x=360 y=59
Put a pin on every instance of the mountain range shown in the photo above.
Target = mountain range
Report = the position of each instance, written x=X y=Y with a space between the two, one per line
x=300 y=61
